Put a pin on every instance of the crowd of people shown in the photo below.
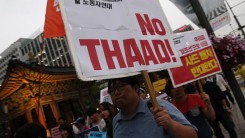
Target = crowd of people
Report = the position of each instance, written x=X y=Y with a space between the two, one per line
x=192 y=112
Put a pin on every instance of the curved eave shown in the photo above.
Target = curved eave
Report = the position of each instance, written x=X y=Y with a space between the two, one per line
x=19 y=73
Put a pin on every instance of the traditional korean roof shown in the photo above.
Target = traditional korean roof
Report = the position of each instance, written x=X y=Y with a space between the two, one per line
x=20 y=75
x=24 y=83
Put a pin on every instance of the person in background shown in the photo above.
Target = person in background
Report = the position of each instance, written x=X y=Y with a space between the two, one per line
x=136 y=120
x=194 y=108
x=191 y=88
x=224 y=87
x=62 y=120
x=80 y=124
x=66 y=131
x=96 y=119
x=142 y=93
x=217 y=98
x=107 y=112
x=31 y=130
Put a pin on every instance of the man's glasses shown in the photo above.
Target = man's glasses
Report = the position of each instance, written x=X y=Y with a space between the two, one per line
x=120 y=88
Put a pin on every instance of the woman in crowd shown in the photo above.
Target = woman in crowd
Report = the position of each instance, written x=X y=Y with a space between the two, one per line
x=108 y=111
x=66 y=131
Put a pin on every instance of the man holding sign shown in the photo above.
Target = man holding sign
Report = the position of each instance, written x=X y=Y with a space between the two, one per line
x=137 y=120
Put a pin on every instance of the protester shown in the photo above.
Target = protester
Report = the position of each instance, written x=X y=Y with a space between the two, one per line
x=193 y=108
x=217 y=98
x=80 y=124
x=66 y=131
x=31 y=130
x=224 y=87
x=96 y=119
x=142 y=93
x=108 y=111
x=190 y=88
x=62 y=120
x=136 y=120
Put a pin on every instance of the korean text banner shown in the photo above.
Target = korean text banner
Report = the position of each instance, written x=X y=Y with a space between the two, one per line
x=113 y=38
x=197 y=55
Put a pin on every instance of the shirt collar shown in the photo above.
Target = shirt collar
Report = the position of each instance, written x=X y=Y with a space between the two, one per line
x=140 y=109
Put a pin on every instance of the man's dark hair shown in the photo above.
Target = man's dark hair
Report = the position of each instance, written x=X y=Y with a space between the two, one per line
x=31 y=130
x=91 y=111
x=132 y=80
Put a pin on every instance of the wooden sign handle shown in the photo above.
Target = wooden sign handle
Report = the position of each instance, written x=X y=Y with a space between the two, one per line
x=150 y=88
x=200 y=86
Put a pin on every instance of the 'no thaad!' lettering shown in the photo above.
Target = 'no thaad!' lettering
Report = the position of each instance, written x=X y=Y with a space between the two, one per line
x=160 y=53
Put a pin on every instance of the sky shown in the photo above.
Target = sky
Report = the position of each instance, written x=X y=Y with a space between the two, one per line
x=22 y=18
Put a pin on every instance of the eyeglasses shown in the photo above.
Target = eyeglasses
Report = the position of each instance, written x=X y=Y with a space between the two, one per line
x=120 y=88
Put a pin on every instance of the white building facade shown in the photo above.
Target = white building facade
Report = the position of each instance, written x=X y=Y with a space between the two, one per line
x=48 y=52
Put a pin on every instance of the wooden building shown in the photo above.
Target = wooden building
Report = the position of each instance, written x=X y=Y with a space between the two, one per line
x=33 y=93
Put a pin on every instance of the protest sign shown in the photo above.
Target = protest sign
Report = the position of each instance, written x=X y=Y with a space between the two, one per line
x=96 y=134
x=105 y=96
x=197 y=55
x=116 y=38
x=159 y=85
x=55 y=132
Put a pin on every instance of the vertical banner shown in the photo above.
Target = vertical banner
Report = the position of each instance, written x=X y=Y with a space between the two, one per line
x=197 y=55
x=113 y=38
x=53 y=26
x=215 y=10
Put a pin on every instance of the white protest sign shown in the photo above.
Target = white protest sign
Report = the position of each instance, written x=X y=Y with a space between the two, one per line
x=114 y=38
x=105 y=96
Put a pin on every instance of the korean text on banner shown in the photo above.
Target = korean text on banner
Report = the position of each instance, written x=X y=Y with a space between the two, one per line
x=197 y=55
x=110 y=38
x=53 y=26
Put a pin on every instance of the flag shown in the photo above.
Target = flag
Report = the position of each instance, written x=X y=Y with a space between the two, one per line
x=53 y=26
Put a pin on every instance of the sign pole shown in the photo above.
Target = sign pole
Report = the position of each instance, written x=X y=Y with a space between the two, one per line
x=200 y=86
x=150 y=88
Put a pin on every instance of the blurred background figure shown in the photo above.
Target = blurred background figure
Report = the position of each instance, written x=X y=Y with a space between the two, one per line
x=96 y=119
x=224 y=87
x=66 y=131
x=194 y=108
x=62 y=121
x=191 y=88
x=217 y=98
x=31 y=130
x=80 y=124
x=142 y=93
x=107 y=112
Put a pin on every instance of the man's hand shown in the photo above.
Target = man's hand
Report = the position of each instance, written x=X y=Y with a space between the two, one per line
x=176 y=129
x=162 y=117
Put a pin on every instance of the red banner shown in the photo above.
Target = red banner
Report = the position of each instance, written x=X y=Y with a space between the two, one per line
x=196 y=65
x=53 y=26
x=197 y=56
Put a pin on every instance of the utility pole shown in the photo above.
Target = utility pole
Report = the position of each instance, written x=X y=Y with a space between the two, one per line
x=236 y=89
x=238 y=23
